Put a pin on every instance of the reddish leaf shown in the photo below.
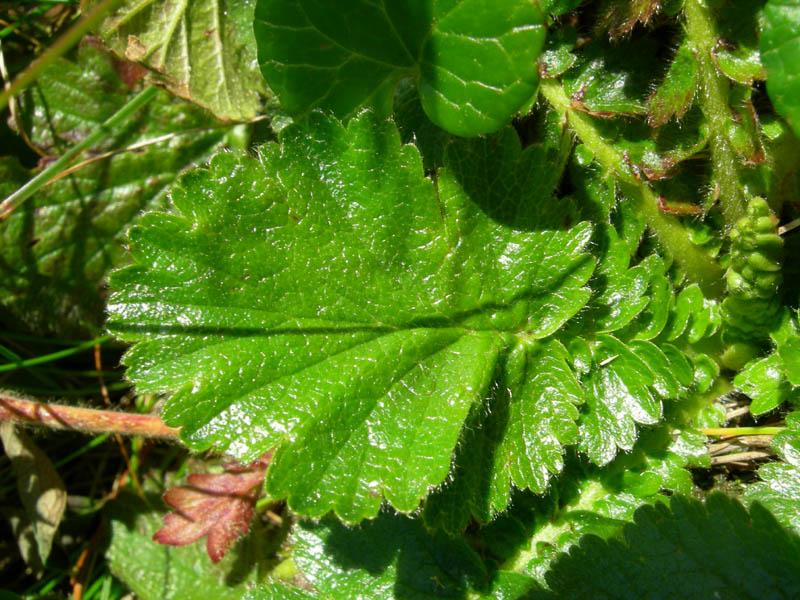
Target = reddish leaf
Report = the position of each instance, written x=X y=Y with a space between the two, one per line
x=219 y=506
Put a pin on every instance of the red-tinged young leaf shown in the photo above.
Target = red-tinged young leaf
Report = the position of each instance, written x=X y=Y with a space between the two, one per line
x=219 y=506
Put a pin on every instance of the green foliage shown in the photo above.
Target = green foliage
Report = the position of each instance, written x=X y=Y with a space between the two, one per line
x=780 y=482
x=392 y=556
x=201 y=50
x=56 y=250
x=780 y=48
x=475 y=60
x=474 y=288
x=686 y=551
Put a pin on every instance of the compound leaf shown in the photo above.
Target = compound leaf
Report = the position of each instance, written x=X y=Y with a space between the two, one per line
x=476 y=60
x=329 y=299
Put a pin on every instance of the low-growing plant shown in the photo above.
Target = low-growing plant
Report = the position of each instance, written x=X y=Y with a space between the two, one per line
x=472 y=287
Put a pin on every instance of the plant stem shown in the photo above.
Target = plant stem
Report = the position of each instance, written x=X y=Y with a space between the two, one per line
x=104 y=130
x=700 y=268
x=739 y=431
x=85 y=420
x=714 y=101
x=64 y=43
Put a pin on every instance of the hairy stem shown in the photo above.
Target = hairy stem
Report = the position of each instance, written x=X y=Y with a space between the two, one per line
x=714 y=101
x=85 y=420
x=700 y=268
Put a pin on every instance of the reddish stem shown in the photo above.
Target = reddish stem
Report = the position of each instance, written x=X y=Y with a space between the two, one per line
x=86 y=420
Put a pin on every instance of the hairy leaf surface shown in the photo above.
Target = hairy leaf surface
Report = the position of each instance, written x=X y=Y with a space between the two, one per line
x=475 y=60
x=330 y=299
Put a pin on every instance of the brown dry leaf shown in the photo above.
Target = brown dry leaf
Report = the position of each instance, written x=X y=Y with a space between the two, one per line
x=219 y=506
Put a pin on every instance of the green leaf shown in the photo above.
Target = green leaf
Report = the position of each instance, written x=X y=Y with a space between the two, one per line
x=558 y=56
x=56 y=249
x=787 y=338
x=780 y=53
x=611 y=80
x=651 y=321
x=410 y=293
x=476 y=60
x=203 y=51
x=619 y=395
x=590 y=500
x=281 y=591
x=621 y=296
x=389 y=557
x=556 y=8
x=478 y=485
x=764 y=382
x=686 y=551
x=736 y=52
x=779 y=488
x=543 y=414
x=675 y=93
x=694 y=316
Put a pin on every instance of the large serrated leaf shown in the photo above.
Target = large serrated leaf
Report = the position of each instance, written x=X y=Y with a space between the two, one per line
x=476 y=60
x=203 y=50
x=329 y=299
x=56 y=249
